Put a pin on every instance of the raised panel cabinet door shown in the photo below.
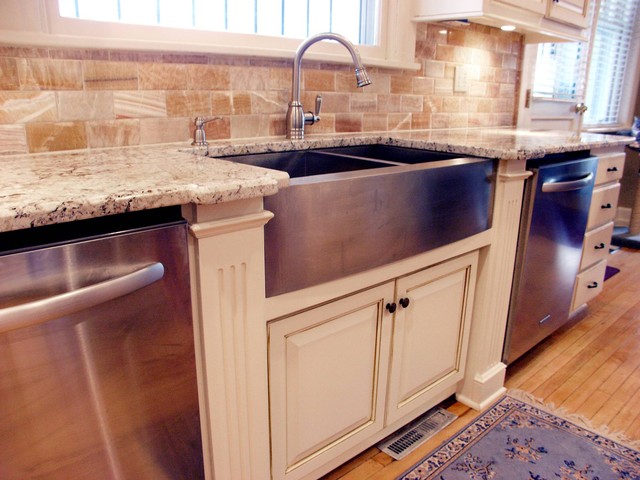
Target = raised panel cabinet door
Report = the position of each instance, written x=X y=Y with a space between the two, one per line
x=324 y=380
x=572 y=12
x=536 y=6
x=430 y=335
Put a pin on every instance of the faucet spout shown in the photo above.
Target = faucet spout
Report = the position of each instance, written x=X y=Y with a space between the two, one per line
x=296 y=117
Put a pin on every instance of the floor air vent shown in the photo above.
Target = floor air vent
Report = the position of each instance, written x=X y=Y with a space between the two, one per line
x=410 y=437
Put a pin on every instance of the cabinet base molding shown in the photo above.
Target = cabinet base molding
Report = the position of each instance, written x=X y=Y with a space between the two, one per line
x=484 y=389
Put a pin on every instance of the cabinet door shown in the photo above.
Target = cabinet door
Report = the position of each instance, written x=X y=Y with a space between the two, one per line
x=536 y=6
x=430 y=335
x=573 y=12
x=326 y=380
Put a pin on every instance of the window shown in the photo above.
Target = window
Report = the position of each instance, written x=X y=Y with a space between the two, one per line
x=558 y=71
x=383 y=29
x=356 y=19
x=617 y=30
x=561 y=68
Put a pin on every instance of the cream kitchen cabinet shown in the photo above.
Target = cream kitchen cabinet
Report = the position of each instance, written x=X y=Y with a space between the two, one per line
x=572 y=12
x=538 y=20
x=346 y=373
x=430 y=335
x=597 y=239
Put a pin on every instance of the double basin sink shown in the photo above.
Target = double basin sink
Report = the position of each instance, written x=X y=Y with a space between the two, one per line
x=349 y=209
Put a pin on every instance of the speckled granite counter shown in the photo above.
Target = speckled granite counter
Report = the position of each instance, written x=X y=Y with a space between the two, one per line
x=503 y=143
x=60 y=187
x=53 y=188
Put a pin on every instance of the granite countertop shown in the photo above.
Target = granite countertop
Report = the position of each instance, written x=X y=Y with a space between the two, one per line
x=43 y=189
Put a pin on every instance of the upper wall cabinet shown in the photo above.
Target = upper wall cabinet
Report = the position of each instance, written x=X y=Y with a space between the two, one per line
x=538 y=20
x=573 y=12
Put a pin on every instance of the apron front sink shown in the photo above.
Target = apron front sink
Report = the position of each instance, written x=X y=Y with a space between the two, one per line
x=350 y=209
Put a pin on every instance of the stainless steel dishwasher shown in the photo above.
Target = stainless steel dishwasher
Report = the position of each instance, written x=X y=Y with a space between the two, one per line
x=554 y=219
x=97 y=363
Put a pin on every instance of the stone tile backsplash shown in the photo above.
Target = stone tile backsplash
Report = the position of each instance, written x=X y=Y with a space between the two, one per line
x=65 y=99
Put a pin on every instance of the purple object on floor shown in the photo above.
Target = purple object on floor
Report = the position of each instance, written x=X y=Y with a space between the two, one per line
x=610 y=272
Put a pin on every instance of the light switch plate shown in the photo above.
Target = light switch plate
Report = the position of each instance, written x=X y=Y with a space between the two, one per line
x=460 y=79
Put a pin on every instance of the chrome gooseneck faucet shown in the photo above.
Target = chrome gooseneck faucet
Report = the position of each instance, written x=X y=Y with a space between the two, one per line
x=296 y=116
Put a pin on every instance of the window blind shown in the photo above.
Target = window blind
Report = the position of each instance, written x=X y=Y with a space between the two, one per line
x=355 y=19
x=617 y=29
x=559 y=71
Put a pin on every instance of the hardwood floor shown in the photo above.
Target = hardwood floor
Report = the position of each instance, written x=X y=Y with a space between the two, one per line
x=589 y=368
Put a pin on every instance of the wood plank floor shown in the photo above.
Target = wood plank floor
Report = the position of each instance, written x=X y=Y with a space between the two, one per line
x=589 y=368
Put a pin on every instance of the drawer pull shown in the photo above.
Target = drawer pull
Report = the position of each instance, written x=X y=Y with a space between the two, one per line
x=404 y=302
x=606 y=205
x=544 y=320
x=593 y=285
x=612 y=169
x=600 y=246
x=391 y=307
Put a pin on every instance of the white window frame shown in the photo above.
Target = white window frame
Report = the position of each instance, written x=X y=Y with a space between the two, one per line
x=38 y=22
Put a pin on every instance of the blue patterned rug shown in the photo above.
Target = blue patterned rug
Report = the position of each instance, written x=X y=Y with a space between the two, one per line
x=517 y=441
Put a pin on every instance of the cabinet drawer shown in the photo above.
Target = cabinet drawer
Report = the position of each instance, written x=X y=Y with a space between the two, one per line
x=589 y=284
x=596 y=245
x=603 y=205
x=610 y=168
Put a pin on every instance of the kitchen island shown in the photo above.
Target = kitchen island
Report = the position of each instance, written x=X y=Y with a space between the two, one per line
x=235 y=323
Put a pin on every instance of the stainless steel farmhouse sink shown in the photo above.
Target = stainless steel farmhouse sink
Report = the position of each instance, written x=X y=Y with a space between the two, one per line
x=350 y=209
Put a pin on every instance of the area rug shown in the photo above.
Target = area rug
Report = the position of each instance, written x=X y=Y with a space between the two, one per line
x=514 y=440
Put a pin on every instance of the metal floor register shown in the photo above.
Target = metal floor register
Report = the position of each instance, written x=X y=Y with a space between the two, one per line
x=410 y=437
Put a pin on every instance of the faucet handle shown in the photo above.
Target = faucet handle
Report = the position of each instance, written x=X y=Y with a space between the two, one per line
x=201 y=121
x=311 y=118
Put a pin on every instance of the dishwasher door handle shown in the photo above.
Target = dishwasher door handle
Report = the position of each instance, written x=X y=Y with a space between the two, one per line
x=46 y=309
x=568 y=186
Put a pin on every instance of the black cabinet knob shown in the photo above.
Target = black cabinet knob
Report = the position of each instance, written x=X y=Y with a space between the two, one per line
x=404 y=302
x=612 y=169
x=606 y=205
x=600 y=246
x=593 y=285
x=391 y=307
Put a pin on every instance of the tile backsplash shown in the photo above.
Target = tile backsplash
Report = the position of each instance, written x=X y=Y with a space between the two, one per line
x=64 y=99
